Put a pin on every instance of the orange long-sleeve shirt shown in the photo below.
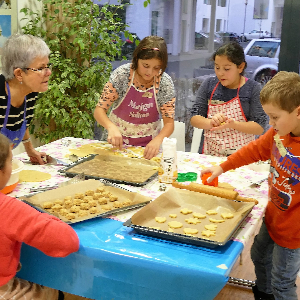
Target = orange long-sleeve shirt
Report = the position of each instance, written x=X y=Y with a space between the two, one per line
x=283 y=209
x=21 y=223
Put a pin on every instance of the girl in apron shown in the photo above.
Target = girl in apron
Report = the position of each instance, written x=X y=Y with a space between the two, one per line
x=134 y=118
x=226 y=125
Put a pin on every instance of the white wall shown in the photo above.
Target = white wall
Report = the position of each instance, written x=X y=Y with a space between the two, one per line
x=33 y=4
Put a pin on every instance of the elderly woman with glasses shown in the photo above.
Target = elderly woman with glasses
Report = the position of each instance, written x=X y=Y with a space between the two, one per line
x=25 y=73
x=139 y=93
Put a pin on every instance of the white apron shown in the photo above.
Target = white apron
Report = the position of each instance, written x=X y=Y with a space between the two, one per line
x=226 y=141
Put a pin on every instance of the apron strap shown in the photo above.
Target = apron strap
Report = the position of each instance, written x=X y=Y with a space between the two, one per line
x=9 y=105
x=212 y=93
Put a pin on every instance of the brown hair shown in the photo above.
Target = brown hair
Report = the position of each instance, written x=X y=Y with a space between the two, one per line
x=4 y=150
x=282 y=90
x=151 y=47
x=234 y=53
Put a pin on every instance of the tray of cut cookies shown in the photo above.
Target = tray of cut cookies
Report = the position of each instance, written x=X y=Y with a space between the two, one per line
x=86 y=200
x=191 y=217
x=117 y=169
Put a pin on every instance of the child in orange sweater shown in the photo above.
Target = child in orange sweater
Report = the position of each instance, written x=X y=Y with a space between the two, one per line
x=276 y=249
x=19 y=223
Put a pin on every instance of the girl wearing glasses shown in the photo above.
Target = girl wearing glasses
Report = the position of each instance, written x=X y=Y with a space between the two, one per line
x=138 y=94
x=25 y=73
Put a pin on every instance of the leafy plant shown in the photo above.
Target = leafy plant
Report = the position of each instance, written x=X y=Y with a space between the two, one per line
x=83 y=41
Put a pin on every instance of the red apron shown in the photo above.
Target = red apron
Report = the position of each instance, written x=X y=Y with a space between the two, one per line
x=226 y=141
x=137 y=116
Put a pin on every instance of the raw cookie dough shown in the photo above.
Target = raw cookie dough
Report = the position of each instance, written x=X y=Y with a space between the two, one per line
x=186 y=211
x=208 y=233
x=227 y=215
x=199 y=216
x=160 y=219
x=211 y=212
x=33 y=176
x=190 y=230
x=192 y=221
x=212 y=227
x=175 y=224
x=216 y=221
x=172 y=215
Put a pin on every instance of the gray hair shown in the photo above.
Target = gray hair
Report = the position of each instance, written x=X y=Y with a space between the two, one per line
x=19 y=51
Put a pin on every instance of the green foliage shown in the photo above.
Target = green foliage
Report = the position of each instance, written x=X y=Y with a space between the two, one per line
x=146 y=3
x=83 y=42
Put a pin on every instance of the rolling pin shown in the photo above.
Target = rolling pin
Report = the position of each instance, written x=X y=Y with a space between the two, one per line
x=214 y=191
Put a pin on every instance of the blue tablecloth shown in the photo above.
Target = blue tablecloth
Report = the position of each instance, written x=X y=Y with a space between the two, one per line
x=115 y=262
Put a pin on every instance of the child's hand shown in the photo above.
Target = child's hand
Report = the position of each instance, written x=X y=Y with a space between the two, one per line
x=218 y=120
x=152 y=149
x=115 y=137
x=228 y=124
x=216 y=171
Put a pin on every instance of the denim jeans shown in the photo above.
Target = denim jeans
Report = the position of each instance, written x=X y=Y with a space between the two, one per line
x=276 y=267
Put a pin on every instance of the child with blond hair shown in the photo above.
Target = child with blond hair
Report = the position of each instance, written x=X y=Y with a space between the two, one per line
x=276 y=249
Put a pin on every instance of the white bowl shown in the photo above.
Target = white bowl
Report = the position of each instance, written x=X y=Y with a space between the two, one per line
x=17 y=167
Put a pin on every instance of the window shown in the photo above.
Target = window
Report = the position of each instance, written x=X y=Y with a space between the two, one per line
x=263 y=49
x=207 y=2
x=222 y=3
x=218 y=25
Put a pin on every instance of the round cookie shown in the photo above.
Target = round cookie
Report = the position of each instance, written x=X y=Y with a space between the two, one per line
x=190 y=230
x=175 y=224
x=160 y=219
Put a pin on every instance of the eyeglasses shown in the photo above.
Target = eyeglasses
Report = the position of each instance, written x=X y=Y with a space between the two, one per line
x=41 y=70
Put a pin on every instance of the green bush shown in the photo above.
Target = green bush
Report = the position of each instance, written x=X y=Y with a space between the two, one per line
x=83 y=41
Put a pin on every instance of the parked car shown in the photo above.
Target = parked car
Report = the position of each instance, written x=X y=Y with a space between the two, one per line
x=229 y=37
x=256 y=34
x=262 y=57
x=201 y=40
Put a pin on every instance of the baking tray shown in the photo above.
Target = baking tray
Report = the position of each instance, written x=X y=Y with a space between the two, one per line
x=175 y=199
x=37 y=199
x=135 y=166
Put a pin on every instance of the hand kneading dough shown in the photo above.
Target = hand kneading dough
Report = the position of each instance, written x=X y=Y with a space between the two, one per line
x=33 y=176
x=175 y=224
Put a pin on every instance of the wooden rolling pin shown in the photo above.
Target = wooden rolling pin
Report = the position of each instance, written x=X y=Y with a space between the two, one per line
x=214 y=191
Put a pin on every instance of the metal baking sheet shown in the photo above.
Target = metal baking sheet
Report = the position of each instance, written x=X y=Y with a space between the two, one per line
x=59 y=193
x=137 y=165
x=173 y=201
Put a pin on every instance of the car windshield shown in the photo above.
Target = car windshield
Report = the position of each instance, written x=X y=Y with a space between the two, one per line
x=263 y=49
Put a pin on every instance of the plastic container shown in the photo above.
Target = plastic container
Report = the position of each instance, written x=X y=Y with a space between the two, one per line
x=17 y=167
x=190 y=176
x=204 y=178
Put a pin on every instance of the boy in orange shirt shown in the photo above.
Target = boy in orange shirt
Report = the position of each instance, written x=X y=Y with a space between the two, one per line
x=276 y=249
